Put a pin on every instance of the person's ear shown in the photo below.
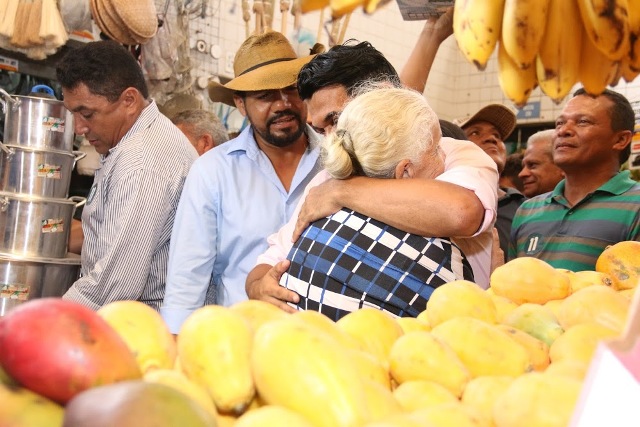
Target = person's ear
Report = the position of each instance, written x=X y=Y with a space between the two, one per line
x=207 y=142
x=130 y=96
x=404 y=169
x=623 y=138
x=239 y=101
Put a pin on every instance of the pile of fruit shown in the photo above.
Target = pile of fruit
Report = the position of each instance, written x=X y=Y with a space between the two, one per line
x=514 y=355
x=551 y=43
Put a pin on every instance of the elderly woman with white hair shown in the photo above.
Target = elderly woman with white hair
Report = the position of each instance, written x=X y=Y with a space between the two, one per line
x=348 y=261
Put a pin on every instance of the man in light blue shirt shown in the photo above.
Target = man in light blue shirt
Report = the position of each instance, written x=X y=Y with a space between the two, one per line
x=244 y=190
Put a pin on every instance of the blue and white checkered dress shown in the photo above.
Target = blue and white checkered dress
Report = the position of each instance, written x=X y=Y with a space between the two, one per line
x=348 y=261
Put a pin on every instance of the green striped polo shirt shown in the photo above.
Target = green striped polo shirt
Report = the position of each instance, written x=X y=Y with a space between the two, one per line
x=546 y=227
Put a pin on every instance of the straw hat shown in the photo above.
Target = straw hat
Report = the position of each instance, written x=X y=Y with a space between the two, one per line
x=503 y=118
x=125 y=21
x=263 y=62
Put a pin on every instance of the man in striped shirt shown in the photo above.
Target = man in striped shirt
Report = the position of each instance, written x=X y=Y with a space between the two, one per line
x=596 y=205
x=145 y=159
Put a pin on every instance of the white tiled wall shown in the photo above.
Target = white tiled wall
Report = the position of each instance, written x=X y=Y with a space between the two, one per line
x=455 y=89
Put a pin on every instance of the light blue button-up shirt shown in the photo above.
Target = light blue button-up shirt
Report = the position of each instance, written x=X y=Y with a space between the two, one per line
x=231 y=202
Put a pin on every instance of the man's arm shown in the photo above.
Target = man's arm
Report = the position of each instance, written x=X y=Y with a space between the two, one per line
x=193 y=249
x=415 y=72
x=461 y=202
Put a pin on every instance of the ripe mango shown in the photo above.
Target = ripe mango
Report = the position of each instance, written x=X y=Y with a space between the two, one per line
x=133 y=404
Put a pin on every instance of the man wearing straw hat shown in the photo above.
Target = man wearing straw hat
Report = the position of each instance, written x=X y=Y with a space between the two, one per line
x=242 y=191
x=144 y=161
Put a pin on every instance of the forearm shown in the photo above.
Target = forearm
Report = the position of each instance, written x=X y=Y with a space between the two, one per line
x=416 y=70
x=414 y=205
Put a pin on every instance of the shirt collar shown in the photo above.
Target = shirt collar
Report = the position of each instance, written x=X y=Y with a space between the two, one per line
x=617 y=185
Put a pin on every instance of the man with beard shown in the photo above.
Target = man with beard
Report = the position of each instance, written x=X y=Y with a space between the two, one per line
x=239 y=193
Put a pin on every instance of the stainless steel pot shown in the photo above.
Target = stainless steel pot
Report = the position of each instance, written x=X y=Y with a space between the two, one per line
x=27 y=278
x=36 y=226
x=35 y=172
x=37 y=122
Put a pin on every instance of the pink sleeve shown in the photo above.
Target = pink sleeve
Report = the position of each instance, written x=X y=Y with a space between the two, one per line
x=468 y=166
x=280 y=242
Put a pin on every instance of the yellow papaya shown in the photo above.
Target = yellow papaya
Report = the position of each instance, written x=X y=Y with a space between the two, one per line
x=536 y=320
x=481 y=393
x=579 y=342
x=380 y=400
x=582 y=279
x=180 y=382
x=538 y=350
x=537 y=399
x=302 y=369
x=504 y=306
x=576 y=369
x=483 y=348
x=421 y=394
x=620 y=261
x=258 y=312
x=528 y=279
x=412 y=324
x=460 y=298
x=598 y=304
x=450 y=414
x=373 y=329
x=272 y=416
x=421 y=356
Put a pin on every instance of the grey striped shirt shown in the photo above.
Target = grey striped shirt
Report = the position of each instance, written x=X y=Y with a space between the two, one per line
x=129 y=214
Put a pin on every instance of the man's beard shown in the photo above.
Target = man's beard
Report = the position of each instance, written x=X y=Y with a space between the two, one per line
x=284 y=140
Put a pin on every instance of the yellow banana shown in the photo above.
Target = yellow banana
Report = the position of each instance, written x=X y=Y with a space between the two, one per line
x=558 y=60
x=302 y=369
x=516 y=83
x=596 y=70
x=634 y=34
x=24 y=408
x=628 y=72
x=606 y=24
x=523 y=25
x=311 y=5
x=214 y=349
x=476 y=28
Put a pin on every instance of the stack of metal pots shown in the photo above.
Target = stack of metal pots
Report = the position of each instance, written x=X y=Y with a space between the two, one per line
x=36 y=161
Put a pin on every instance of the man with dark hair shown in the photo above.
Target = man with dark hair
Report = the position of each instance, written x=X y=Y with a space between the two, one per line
x=596 y=204
x=245 y=189
x=460 y=203
x=131 y=206
x=488 y=128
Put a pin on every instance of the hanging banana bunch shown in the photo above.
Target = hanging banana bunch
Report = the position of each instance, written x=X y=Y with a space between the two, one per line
x=553 y=44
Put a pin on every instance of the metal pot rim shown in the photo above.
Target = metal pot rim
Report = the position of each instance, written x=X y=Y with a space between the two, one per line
x=38 y=98
x=69 y=259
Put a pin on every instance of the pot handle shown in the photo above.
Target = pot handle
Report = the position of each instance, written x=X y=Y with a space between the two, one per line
x=80 y=201
x=79 y=156
x=7 y=98
x=10 y=152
